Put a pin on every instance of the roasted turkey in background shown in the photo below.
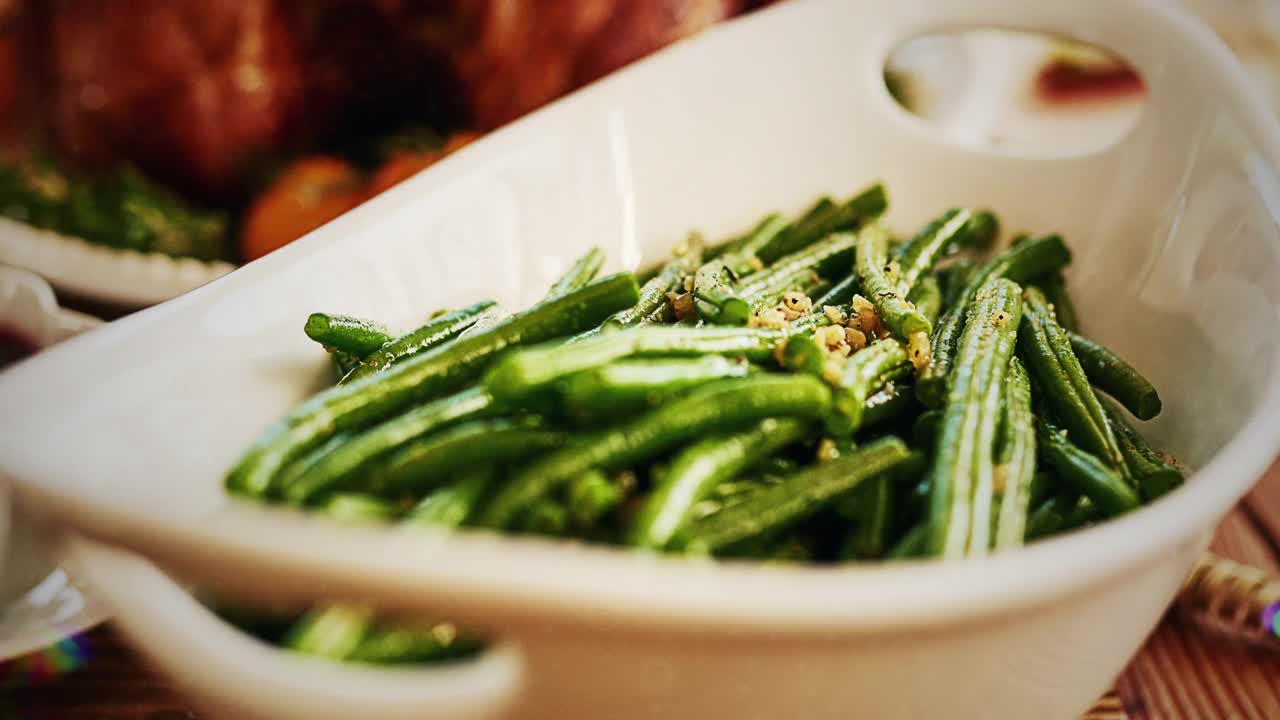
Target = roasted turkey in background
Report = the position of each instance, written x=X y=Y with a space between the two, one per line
x=196 y=93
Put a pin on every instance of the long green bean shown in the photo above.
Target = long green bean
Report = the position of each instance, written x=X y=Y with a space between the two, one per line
x=864 y=372
x=633 y=385
x=1111 y=374
x=339 y=462
x=962 y=461
x=530 y=370
x=780 y=506
x=1017 y=458
x=717 y=406
x=433 y=334
x=896 y=313
x=1085 y=472
x=699 y=468
x=825 y=219
x=1154 y=475
x=1021 y=263
x=579 y=275
x=1045 y=348
x=353 y=335
x=653 y=295
x=358 y=405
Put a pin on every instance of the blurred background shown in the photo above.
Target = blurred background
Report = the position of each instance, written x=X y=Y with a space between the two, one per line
x=222 y=130
x=217 y=132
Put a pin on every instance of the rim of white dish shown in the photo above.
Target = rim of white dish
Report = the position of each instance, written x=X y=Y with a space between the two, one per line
x=457 y=571
x=116 y=276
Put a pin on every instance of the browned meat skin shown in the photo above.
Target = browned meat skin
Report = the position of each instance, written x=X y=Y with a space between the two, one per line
x=188 y=89
x=513 y=56
x=194 y=91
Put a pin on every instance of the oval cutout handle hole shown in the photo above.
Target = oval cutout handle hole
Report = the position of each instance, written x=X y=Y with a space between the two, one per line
x=1017 y=93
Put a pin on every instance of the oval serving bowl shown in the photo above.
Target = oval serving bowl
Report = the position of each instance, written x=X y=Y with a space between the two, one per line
x=1177 y=266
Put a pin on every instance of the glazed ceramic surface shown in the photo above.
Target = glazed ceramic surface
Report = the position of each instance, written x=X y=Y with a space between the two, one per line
x=128 y=432
x=39 y=603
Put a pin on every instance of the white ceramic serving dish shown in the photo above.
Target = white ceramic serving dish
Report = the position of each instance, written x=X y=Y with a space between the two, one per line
x=125 y=278
x=39 y=603
x=128 y=431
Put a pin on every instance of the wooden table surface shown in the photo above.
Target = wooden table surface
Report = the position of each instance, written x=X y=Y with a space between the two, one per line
x=1181 y=673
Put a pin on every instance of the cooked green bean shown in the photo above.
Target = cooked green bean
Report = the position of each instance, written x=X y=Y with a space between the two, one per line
x=1059 y=514
x=1154 y=475
x=839 y=295
x=698 y=469
x=963 y=461
x=924 y=431
x=360 y=508
x=927 y=297
x=435 y=333
x=743 y=260
x=1042 y=484
x=343 y=362
x=579 y=275
x=631 y=385
x=955 y=278
x=1085 y=472
x=873 y=521
x=832 y=254
x=864 y=372
x=1021 y=263
x=715 y=298
x=1049 y=517
x=404 y=641
x=591 y=497
x=778 y=507
x=653 y=295
x=717 y=406
x=531 y=370
x=349 y=334
x=803 y=353
x=918 y=255
x=913 y=544
x=1054 y=287
x=358 y=405
x=1017 y=458
x=305 y=465
x=544 y=516
x=789 y=549
x=983 y=499
x=1112 y=375
x=332 y=632
x=900 y=316
x=424 y=463
x=892 y=401
x=455 y=504
x=335 y=464
x=983 y=230
x=805 y=229
x=825 y=219
x=1044 y=347
x=773 y=289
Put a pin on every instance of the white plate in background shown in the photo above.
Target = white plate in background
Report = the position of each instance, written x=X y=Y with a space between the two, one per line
x=125 y=278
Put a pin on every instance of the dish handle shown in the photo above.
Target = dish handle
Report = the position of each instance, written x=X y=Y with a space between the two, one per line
x=1143 y=32
x=234 y=675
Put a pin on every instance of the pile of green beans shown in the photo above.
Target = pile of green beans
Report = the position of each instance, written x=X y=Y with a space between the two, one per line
x=815 y=389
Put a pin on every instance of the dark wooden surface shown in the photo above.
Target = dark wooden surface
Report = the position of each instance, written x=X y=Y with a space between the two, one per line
x=1181 y=673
